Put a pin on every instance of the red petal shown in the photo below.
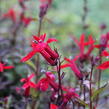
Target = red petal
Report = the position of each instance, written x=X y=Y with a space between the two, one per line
x=65 y=65
x=51 y=40
x=32 y=53
x=26 y=85
x=82 y=43
x=104 y=65
x=23 y=80
x=97 y=46
x=27 y=91
x=36 y=38
x=31 y=84
x=53 y=106
x=31 y=76
x=8 y=67
x=105 y=53
x=67 y=60
x=42 y=37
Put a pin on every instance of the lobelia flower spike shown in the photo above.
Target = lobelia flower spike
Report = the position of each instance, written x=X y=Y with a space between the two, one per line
x=3 y=67
x=28 y=84
x=74 y=68
x=44 y=49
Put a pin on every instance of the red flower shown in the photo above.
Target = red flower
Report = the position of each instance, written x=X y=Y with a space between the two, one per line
x=105 y=53
x=10 y=14
x=104 y=65
x=28 y=84
x=27 y=20
x=44 y=49
x=53 y=106
x=81 y=44
x=70 y=93
x=3 y=67
x=103 y=42
x=44 y=83
x=74 y=68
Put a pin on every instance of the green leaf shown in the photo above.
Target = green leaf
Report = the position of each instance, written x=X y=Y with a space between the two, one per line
x=30 y=63
x=97 y=92
x=82 y=102
x=34 y=93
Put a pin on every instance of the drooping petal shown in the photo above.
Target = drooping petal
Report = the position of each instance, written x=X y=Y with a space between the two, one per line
x=29 y=56
x=74 y=68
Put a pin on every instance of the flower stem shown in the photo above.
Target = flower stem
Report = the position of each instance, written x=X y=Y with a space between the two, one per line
x=60 y=91
x=84 y=91
x=38 y=58
x=90 y=90
x=99 y=76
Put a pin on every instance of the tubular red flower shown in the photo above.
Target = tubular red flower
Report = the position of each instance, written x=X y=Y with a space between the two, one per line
x=81 y=44
x=74 y=68
x=28 y=84
x=44 y=49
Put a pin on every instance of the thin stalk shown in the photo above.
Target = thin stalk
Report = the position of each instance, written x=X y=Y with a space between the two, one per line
x=40 y=26
x=99 y=77
x=85 y=12
x=80 y=92
x=84 y=92
x=59 y=78
x=38 y=57
x=90 y=90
